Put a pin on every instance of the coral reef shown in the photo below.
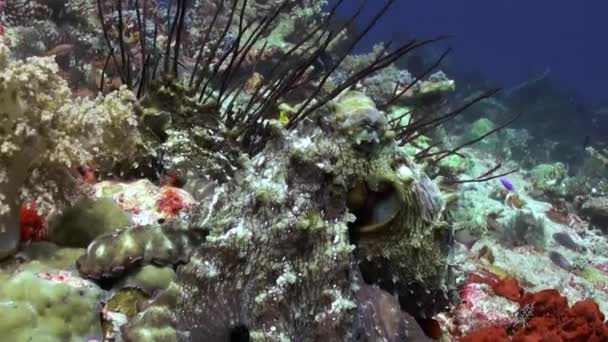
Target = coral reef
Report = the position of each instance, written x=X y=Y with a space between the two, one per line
x=47 y=135
x=596 y=208
x=64 y=29
x=552 y=319
x=231 y=170
x=479 y=128
x=524 y=229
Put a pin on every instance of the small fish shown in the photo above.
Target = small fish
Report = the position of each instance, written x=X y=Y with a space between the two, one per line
x=560 y=261
x=60 y=50
x=565 y=240
x=506 y=183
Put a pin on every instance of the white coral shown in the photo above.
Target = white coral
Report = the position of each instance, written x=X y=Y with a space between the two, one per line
x=44 y=133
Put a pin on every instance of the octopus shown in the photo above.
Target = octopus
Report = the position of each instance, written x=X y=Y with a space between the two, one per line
x=331 y=233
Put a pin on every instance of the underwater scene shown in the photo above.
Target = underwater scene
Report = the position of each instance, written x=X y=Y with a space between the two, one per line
x=278 y=170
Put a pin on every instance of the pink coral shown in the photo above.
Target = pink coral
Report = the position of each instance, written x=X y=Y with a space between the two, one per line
x=480 y=307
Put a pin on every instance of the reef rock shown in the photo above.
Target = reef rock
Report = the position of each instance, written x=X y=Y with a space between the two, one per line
x=596 y=208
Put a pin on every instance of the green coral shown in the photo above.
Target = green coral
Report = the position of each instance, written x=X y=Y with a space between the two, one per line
x=151 y=278
x=45 y=253
x=431 y=88
x=454 y=164
x=594 y=276
x=88 y=219
x=121 y=306
x=402 y=113
x=34 y=308
x=550 y=178
x=477 y=129
x=278 y=36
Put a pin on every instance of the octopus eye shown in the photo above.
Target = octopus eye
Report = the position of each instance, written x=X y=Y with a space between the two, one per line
x=375 y=205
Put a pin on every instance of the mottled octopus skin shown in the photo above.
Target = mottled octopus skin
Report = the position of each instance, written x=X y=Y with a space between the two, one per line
x=278 y=262
x=282 y=259
x=112 y=255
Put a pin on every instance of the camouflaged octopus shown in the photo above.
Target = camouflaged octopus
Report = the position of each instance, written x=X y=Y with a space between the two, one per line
x=295 y=238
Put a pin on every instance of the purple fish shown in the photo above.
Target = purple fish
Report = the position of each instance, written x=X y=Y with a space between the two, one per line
x=505 y=182
x=560 y=261
x=565 y=240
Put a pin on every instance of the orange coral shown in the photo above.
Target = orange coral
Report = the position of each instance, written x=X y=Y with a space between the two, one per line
x=171 y=202
x=490 y=334
x=508 y=288
x=553 y=321
x=546 y=302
